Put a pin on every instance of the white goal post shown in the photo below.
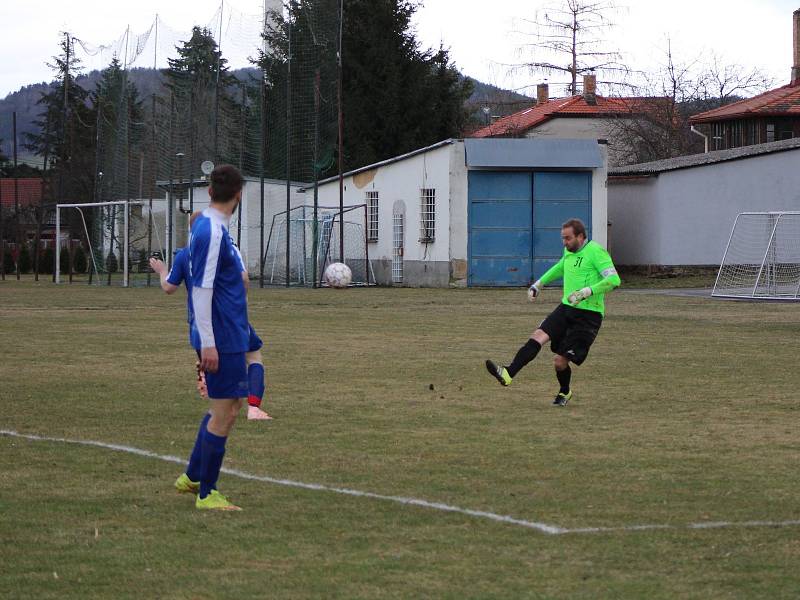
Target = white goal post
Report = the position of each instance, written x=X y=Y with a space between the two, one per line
x=762 y=258
x=101 y=231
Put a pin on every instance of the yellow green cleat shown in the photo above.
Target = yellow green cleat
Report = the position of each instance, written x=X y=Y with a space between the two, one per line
x=215 y=501
x=562 y=398
x=184 y=485
x=499 y=373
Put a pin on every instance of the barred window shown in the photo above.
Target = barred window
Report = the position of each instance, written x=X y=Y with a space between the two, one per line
x=372 y=216
x=427 y=213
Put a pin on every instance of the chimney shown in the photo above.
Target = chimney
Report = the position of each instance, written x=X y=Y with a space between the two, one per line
x=590 y=89
x=542 y=93
x=796 y=47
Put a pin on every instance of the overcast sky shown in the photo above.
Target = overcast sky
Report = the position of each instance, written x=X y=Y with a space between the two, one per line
x=479 y=33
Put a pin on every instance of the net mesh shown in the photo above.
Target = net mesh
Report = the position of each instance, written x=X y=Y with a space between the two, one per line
x=257 y=90
x=763 y=257
x=314 y=244
x=93 y=247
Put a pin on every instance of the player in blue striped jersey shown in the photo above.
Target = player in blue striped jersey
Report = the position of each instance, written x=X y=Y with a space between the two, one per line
x=219 y=305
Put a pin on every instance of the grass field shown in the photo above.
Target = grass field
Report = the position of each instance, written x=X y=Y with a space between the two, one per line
x=685 y=413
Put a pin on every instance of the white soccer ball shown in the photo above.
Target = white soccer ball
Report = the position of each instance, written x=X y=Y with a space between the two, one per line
x=338 y=275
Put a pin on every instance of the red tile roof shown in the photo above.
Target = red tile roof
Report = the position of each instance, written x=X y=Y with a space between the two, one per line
x=783 y=101
x=29 y=192
x=573 y=106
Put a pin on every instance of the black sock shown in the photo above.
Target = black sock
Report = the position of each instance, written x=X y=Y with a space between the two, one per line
x=563 y=379
x=524 y=355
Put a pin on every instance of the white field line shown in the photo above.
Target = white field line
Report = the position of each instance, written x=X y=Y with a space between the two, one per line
x=542 y=527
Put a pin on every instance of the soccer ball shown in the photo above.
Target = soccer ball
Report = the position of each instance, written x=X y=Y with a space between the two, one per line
x=338 y=275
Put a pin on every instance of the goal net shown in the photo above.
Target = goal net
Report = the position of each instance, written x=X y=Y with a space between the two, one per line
x=110 y=243
x=762 y=259
x=314 y=244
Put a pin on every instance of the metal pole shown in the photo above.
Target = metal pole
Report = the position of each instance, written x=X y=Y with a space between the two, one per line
x=314 y=241
x=58 y=246
x=241 y=165
x=170 y=195
x=16 y=190
x=288 y=146
x=263 y=159
x=154 y=177
x=341 y=134
x=127 y=209
x=216 y=83
x=366 y=244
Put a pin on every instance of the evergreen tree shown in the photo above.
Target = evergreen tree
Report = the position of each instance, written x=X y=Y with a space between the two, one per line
x=66 y=131
x=206 y=117
x=396 y=96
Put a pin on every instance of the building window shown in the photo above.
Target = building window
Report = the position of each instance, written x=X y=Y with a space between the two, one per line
x=427 y=214
x=784 y=131
x=372 y=216
x=770 y=132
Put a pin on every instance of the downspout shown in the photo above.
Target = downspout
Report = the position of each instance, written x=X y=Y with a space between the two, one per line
x=702 y=135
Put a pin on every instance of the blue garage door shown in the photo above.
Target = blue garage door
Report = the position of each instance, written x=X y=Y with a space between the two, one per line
x=500 y=237
x=557 y=197
x=515 y=222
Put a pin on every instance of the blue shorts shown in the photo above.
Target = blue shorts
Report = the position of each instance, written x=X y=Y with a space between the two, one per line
x=255 y=342
x=230 y=380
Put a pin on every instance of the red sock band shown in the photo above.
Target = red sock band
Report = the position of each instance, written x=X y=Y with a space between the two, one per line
x=254 y=401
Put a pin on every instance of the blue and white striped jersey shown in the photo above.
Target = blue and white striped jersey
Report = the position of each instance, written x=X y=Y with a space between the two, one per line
x=215 y=263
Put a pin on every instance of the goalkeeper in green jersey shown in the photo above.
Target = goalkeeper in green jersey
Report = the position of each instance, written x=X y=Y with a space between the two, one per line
x=588 y=274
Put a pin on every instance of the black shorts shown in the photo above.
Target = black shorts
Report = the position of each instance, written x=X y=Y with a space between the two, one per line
x=572 y=331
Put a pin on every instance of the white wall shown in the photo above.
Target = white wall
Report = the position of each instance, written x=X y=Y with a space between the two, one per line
x=274 y=202
x=402 y=181
x=684 y=217
x=584 y=128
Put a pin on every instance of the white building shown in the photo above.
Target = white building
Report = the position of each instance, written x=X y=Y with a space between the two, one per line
x=245 y=232
x=680 y=211
x=476 y=211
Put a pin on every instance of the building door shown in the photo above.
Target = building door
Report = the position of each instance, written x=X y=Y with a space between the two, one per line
x=398 y=237
x=557 y=197
x=514 y=222
x=499 y=228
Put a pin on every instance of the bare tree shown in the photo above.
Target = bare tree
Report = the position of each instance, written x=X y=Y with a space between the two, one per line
x=656 y=126
x=724 y=83
x=573 y=30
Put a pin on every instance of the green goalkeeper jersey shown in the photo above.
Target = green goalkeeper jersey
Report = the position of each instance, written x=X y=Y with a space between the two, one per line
x=591 y=266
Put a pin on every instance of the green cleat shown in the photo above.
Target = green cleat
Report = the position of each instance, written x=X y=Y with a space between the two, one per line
x=215 y=501
x=499 y=373
x=562 y=398
x=184 y=485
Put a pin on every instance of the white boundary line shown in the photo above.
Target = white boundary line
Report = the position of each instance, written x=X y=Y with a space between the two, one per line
x=542 y=527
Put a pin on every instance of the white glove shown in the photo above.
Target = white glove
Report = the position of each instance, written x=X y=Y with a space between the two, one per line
x=579 y=296
x=534 y=291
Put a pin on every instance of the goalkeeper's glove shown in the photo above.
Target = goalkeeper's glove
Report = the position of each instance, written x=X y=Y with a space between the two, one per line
x=579 y=296
x=534 y=291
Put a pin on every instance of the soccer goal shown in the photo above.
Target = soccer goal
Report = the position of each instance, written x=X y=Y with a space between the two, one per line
x=762 y=258
x=110 y=243
x=313 y=244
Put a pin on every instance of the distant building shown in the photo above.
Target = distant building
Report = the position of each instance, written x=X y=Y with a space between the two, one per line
x=679 y=211
x=768 y=117
x=475 y=212
x=582 y=116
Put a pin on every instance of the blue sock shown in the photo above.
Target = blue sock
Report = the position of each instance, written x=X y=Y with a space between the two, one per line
x=193 y=468
x=211 y=455
x=255 y=384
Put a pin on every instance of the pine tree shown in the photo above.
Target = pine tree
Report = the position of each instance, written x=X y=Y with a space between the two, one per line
x=396 y=96
x=66 y=131
x=205 y=113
